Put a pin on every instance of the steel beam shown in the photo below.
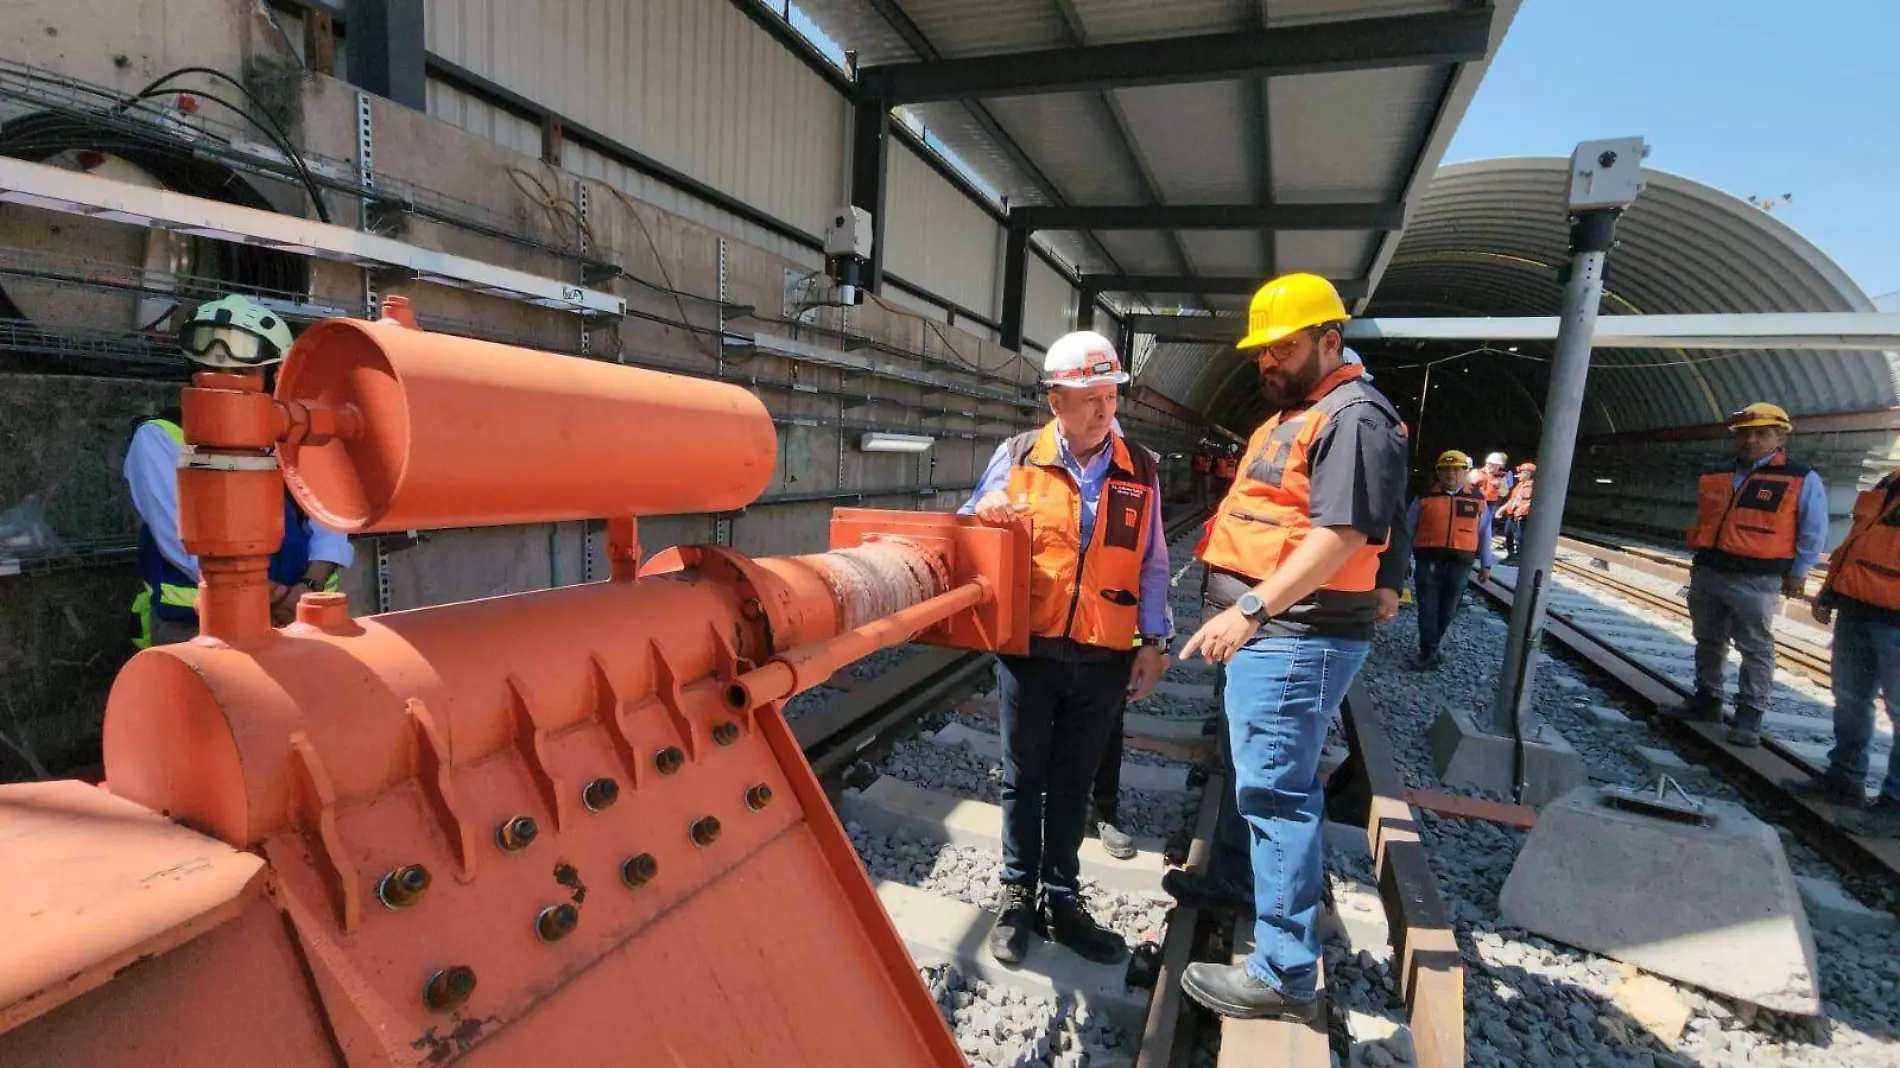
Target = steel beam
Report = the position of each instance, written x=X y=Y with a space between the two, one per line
x=1316 y=48
x=1233 y=285
x=1015 y=284
x=870 y=163
x=1212 y=217
x=385 y=54
x=1867 y=331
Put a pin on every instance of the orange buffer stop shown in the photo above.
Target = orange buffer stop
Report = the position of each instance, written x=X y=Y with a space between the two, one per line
x=564 y=827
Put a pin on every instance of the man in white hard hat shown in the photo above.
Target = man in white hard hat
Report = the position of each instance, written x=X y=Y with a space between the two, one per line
x=1099 y=627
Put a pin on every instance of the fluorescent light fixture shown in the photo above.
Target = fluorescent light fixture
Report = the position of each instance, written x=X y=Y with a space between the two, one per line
x=1603 y=482
x=879 y=442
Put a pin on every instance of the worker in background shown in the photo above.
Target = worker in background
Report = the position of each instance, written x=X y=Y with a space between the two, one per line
x=233 y=335
x=1516 y=509
x=1450 y=529
x=1098 y=581
x=1493 y=480
x=1203 y=466
x=1760 y=525
x=1293 y=560
x=1226 y=466
x=1861 y=597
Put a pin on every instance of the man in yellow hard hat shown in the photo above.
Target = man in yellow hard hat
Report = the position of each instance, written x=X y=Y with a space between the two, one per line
x=1761 y=522
x=1293 y=561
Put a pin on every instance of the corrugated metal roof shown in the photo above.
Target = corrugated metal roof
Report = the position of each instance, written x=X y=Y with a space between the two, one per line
x=1351 y=136
x=1195 y=140
x=1489 y=237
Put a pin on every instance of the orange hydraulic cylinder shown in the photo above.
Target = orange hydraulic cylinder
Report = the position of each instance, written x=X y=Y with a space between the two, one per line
x=446 y=431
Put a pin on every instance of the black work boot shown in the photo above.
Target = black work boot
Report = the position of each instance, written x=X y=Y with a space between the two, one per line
x=1878 y=820
x=1835 y=788
x=1197 y=891
x=1232 y=990
x=1745 y=731
x=1070 y=925
x=1009 y=939
x=1703 y=706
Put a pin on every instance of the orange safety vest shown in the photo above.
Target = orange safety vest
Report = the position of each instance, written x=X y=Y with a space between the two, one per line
x=1449 y=521
x=1202 y=463
x=1518 y=504
x=1492 y=485
x=1226 y=467
x=1866 y=565
x=1086 y=593
x=1751 y=529
x=1264 y=517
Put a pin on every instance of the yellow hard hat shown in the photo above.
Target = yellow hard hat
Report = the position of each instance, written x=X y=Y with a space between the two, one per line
x=1288 y=304
x=1760 y=413
x=1453 y=458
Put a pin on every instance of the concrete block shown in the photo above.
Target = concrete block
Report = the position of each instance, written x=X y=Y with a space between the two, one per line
x=1134 y=776
x=1345 y=839
x=1463 y=754
x=1830 y=906
x=1714 y=907
x=1660 y=761
x=940 y=930
x=891 y=806
x=1357 y=918
x=1167 y=728
x=1188 y=691
x=1609 y=718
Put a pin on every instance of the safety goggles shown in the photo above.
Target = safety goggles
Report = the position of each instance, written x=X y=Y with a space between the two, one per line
x=218 y=343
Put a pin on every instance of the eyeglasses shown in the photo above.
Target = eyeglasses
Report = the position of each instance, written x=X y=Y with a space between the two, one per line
x=1282 y=350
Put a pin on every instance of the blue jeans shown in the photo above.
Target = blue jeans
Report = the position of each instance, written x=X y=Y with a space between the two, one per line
x=1280 y=693
x=1438 y=581
x=1866 y=661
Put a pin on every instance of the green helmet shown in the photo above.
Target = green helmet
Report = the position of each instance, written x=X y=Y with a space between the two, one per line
x=234 y=332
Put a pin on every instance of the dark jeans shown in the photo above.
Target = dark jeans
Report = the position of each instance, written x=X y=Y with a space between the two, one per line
x=1108 y=777
x=1439 y=584
x=1512 y=527
x=1057 y=716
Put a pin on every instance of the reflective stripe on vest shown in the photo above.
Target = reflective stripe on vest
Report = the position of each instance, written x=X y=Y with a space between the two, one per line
x=1264 y=517
x=1756 y=522
x=1449 y=521
x=1086 y=593
x=1866 y=566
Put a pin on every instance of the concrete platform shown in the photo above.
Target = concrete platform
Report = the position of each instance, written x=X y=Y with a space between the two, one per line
x=892 y=805
x=1134 y=776
x=1715 y=907
x=1464 y=755
x=940 y=930
x=1829 y=906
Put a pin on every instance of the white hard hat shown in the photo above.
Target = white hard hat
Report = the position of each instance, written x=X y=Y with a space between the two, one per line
x=1347 y=355
x=1083 y=358
x=1496 y=458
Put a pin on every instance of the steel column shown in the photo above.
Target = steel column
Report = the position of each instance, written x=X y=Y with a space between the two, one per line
x=1015 y=284
x=870 y=162
x=385 y=51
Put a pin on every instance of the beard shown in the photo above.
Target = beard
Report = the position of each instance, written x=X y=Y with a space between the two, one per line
x=1282 y=389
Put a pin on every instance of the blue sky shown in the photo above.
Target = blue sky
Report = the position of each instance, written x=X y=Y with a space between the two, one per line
x=1755 y=97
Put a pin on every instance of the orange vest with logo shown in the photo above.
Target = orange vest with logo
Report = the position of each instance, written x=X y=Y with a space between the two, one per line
x=1086 y=593
x=1449 y=521
x=1751 y=529
x=1264 y=516
x=1518 y=504
x=1492 y=486
x=1866 y=566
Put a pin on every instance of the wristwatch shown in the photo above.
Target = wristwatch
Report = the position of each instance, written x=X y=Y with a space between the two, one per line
x=314 y=585
x=1158 y=641
x=1252 y=606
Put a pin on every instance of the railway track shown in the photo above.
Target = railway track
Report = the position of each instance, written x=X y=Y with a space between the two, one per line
x=1595 y=633
x=920 y=807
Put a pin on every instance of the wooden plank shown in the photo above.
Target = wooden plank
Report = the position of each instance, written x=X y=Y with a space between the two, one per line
x=1273 y=1043
x=1163 y=1034
x=1472 y=808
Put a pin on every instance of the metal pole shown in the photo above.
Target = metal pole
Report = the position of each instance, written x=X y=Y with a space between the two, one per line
x=1591 y=235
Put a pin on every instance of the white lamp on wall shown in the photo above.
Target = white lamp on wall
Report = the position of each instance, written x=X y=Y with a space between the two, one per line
x=876 y=441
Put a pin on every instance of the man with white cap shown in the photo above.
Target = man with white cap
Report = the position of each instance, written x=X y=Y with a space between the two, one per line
x=1099 y=628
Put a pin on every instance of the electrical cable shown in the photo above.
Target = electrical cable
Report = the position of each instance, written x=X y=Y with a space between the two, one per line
x=262 y=120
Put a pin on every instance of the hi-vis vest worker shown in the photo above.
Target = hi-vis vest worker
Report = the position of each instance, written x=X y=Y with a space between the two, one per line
x=1866 y=565
x=1265 y=515
x=1492 y=484
x=1449 y=520
x=1227 y=467
x=1086 y=593
x=1518 y=504
x=1751 y=528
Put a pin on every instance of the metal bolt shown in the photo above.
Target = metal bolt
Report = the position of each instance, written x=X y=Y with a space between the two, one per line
x=514 y=834
x=557 y=922
x=668 y=760
x=404 y=886
x=705 y=830
x=449 y=988
x=725 y=733
x=640 y=870
x=600 y=794
x=758 y=796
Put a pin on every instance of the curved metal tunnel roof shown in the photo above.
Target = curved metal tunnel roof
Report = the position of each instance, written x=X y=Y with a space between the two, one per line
x=1488 y=238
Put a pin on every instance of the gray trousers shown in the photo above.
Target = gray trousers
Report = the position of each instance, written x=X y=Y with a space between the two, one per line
x=1725 y=607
